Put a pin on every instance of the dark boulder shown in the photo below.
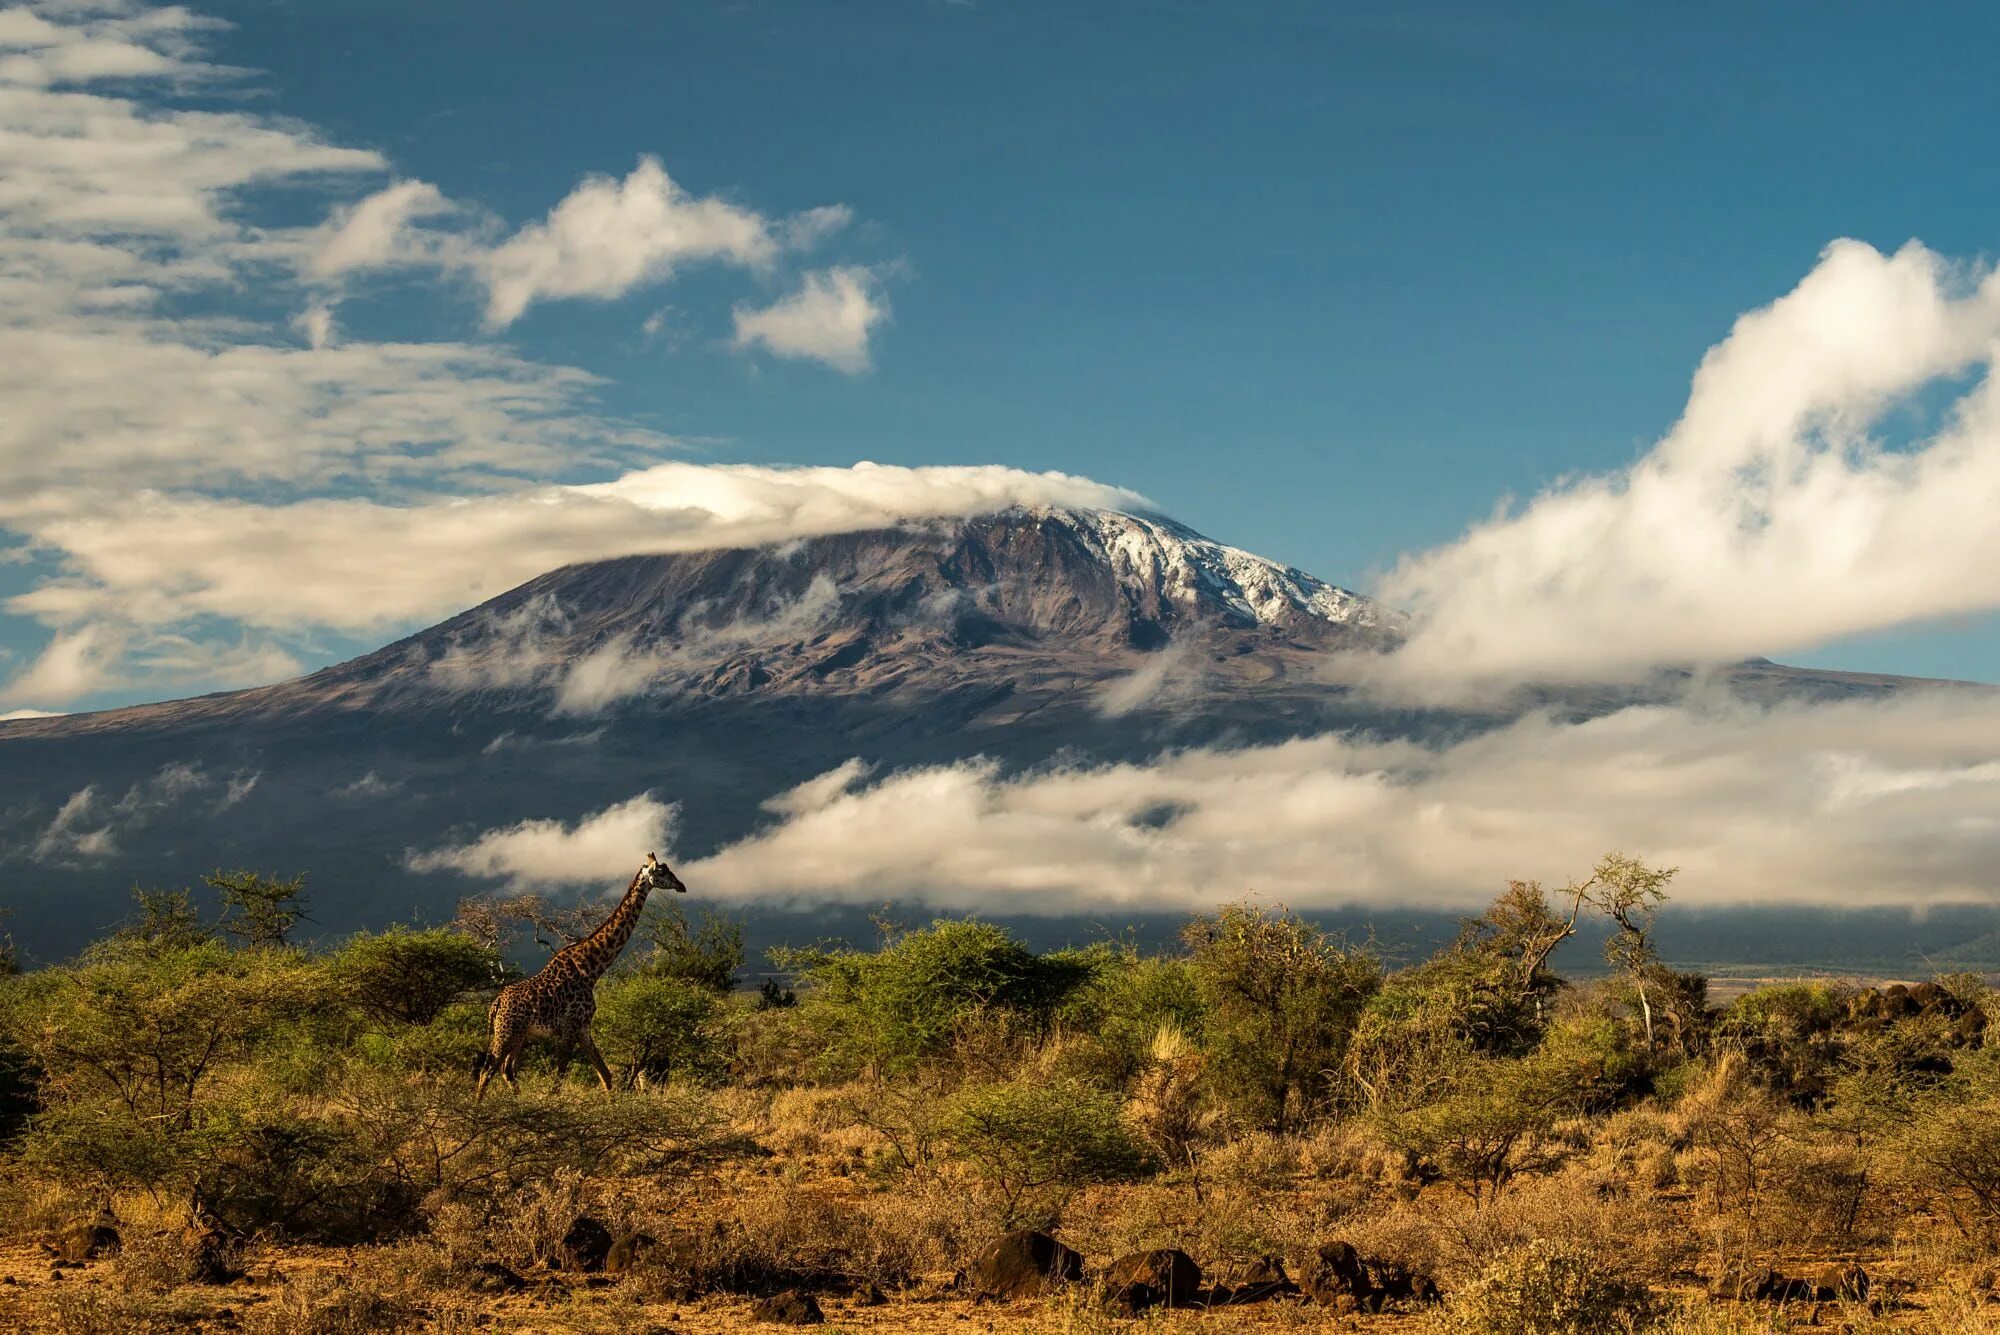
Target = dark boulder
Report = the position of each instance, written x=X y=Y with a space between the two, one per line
x=1023 y=1264
x=1159 y=1278
x=585 y=1247
x=1340 y=1277
x=790 y=1308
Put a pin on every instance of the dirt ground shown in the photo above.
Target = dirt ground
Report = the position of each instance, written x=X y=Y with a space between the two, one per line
x=36 y=1298
x=86 y=1300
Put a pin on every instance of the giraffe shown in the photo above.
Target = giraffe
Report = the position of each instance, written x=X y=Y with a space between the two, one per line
x=561 y=999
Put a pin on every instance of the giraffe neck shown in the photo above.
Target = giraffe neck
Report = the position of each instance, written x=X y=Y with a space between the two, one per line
x=601 y=947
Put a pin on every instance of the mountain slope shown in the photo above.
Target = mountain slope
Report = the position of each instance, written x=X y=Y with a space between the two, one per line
x=713 y=679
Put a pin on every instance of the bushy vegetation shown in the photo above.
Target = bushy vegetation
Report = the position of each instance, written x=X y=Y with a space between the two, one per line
x=1556 y=1155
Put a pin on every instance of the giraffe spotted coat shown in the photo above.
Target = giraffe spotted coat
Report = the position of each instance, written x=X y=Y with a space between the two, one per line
x=560 y=1001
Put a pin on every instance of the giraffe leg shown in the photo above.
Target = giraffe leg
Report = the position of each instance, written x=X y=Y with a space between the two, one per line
x=493 y=1060
x=596 y=1060
x=509 y=1059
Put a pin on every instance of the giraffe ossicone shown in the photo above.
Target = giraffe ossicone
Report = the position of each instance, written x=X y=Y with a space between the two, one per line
x=560 y=1001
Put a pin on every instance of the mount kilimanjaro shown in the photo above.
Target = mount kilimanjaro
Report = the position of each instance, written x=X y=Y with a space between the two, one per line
x=714 y=679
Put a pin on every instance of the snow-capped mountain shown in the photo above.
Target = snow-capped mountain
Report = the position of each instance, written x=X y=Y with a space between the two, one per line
x=712 y=679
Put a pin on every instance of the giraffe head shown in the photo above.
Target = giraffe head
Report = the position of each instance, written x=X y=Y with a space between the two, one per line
x=658 y=875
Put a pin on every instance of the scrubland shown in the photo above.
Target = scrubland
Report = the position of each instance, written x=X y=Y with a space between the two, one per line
x=203 y=1126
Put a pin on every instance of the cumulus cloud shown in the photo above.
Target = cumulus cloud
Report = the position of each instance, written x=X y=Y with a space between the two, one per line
x=602 y=847
x=1849 y=804
x=1781 y=510
x=609 y=236
x=829 y=319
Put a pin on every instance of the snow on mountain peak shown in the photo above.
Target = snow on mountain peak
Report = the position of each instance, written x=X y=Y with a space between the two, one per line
x=1153 y=551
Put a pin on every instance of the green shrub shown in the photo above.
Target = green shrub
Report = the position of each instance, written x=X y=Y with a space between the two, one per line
x=1546 y=1288
x=1948 y=1147
x=1488 y=1123
x=1279 y=1002
x=1035 y=1141
x=407 y=977
x=1789 y=1034
x=307 y=1179
x=154 y=1030
x=657 y=1026
x=907 y=1002
x=449 y=1044
x=1126 y=1000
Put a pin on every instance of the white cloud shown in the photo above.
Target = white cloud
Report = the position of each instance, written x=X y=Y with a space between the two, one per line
x=88 y=826
x=14 y=715
x=1173 y=673
x=526 y=647
x=104 y=655
x=144 y=371
x=167 y=557
x=240 y=786
x=609 y=236
x=605 y=846
x=73 y=836
x=376 y=232
x=1844 y=804
x=1775 y=515
x=73 y=664
x=829 y=319
x=611 y=672
x=808 y=229
x=370 y=784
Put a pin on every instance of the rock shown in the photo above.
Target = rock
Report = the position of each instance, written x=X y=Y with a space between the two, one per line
x=1340 y=1277
x=790 y=1308
x=83 y=1242
x=491 y=1277
x=1842 y=1283
x=628 y=1251
x=1141 y=1280
x=585 y=1246
x=1022 y=1264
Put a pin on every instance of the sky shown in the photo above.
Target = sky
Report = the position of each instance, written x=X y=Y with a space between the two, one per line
x=326 y=319
x=1593 y=338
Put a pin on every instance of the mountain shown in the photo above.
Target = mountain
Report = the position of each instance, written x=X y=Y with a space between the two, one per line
x=714 y=679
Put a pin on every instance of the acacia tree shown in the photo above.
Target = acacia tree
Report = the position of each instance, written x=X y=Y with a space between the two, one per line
x=259 y=910
x=1630 y=893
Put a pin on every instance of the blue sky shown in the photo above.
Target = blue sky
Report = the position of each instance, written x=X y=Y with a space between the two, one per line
x=1325 y=282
